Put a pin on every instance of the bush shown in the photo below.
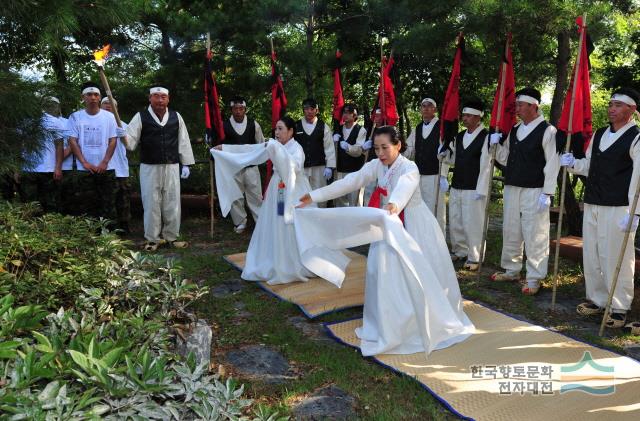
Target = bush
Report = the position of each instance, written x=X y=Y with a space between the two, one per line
x=108 y=352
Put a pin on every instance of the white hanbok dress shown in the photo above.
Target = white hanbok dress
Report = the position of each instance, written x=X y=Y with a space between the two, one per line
x=412 y=297
x=273 y=253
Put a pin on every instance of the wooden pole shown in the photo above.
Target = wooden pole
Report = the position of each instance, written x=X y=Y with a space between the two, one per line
x=623 y=247
x=567 y=147
x=212 y=192
x=384 y=116
x=114 y=107
x=485 y=224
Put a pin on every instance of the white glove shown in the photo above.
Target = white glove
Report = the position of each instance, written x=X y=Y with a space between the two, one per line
x=625 y=221
x=442 y=151
x=495 y=138
x=367 y=145
x=544 y=202
x=344 y=145
x=185 y=172
x=567 y=160
x=336 y=137
x=120 y=132
x=479 y=196
x=328 y=172
x=444 y=184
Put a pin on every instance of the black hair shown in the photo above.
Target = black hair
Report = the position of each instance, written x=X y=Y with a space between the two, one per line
x=393 y=134
x=630 y=92
x=474 y=103
x=532 y=92
x=310 y=102
x=288 y=122
x=88 y=84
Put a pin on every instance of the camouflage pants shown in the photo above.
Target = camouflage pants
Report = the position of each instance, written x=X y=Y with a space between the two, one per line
x=41 y=187
x=96 y=194
x=123 y=201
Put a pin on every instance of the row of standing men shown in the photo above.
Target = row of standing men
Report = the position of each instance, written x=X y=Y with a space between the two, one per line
x=530 y=160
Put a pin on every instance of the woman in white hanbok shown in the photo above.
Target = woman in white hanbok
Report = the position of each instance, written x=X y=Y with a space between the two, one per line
x=405 y=311
x=273 y=254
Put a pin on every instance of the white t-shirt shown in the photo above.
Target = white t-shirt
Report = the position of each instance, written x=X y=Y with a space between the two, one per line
x=93 y=133
x=45 y=159
x=67 y=164
x=119 y=158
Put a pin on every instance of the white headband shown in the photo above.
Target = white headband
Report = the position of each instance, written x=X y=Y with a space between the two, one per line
x=234 y=103
x=623 y=98
x=428 y=101
x=158 y=90
x=528 y=99
x=472 y=111
x=378 y=111
x=53 y=99
x=91 y=90
x=105 y=99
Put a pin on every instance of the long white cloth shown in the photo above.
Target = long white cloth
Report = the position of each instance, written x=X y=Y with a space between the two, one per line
x=273 y=253
x=407 y=308
x=389 y=326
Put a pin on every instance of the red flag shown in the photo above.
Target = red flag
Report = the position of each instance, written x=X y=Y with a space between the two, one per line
x=451 y=103
x=506 y=88
x=278 y=98
x=214 y=133
x=338 y=99
x=581 y=122
x=385 y=90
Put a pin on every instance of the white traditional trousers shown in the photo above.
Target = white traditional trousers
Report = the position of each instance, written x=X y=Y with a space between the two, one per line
x=466 y=219
x=523 y=225
x=351 y=199
x=316 y=179
x=160 y=191
x=602 y=240
x=428 y=191
x=248 y=180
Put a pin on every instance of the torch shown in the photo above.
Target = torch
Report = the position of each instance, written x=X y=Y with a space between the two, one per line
x=99 y=58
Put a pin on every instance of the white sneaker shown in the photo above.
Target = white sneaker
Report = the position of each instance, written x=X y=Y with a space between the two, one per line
x=239 y=229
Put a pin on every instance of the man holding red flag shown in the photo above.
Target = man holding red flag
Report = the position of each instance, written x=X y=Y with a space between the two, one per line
x=350 y=139
x=532 y=163
x=612 y=167
x=423 y=145
x=314 y=135
x=242 y=130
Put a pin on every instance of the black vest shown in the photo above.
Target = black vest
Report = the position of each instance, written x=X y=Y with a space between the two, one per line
x=610 y=171
x=426 y=150
x=346 y=162
x=372 y=153
x=312 y=145
x=231 y=137
x=467 y=165
x=159 y=144
x=525 y=165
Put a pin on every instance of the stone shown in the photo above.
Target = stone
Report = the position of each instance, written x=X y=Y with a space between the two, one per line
x=261 y=363
x=327 y=403
x=633 y=351
x=227 y=288
x=198 y=341
x=312 y=330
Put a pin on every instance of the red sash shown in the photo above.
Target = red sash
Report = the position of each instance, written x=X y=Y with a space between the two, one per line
x=376 y=200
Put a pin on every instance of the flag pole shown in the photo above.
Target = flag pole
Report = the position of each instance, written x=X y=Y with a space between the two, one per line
x=211 y=176
x=382 y=98
x=435 y=210
x=616 y=274
x=485 y=224
x=567 y=148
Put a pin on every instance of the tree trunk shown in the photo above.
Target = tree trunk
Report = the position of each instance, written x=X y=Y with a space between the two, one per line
x=573 y=215
x=58 y=65
x=308 y=77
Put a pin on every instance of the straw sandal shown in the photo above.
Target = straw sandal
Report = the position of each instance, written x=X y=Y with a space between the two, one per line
x=179 y=244
x=527 y=290
x=472 y=266
x=150 y=246
x=616 y=320
x=588 y=309
x=503 y=277
x=633 y=328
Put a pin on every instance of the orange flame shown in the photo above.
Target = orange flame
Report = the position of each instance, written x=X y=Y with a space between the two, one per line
x=101 y=55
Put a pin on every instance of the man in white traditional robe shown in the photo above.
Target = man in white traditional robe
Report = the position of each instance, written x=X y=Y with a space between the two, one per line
x=349 y=139
x=612 y=166
x=467 y=198
x=164 y=145
x=532 y=164
x=314 y=135
x=243 y=130
x=423 y=146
